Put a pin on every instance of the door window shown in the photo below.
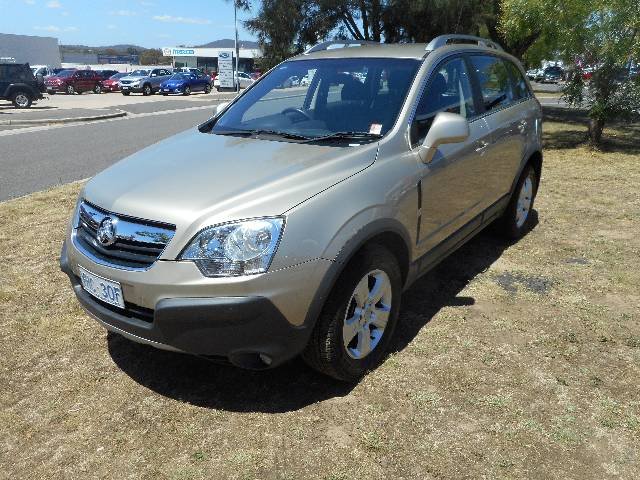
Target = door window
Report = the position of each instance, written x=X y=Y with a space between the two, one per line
x=448 y=90
x=494 y=81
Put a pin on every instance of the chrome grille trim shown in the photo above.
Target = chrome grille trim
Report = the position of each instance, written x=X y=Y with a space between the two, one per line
x=138 y=243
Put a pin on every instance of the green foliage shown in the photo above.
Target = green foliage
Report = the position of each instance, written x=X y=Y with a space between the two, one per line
x=604 y=34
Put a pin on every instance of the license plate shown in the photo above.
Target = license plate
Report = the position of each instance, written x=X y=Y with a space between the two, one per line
x=166 y=89
x=125 y=88
x=103 y=289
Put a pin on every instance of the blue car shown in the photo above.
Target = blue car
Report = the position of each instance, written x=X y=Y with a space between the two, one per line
x=184 y=83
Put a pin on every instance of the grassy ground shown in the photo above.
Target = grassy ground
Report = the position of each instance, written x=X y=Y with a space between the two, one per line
x=516 y=361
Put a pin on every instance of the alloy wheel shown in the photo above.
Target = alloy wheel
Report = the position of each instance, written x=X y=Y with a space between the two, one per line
x=367 y=314
x=22 y=100
x=525 y=197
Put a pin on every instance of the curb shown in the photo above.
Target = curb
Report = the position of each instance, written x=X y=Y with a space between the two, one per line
x=47 y=121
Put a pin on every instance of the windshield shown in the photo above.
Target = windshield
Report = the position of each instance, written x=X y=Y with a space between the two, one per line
x=139 y=73
x=116 y=76
x=66 y=73
x=362 y=95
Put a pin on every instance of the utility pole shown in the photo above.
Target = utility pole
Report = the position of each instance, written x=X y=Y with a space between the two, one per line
x=237 y=51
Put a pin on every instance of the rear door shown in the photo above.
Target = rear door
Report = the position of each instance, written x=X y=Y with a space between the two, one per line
x=499 y=102
x=452 y=186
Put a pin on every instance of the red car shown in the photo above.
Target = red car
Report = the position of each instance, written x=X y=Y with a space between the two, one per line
x=74 y=81
x=111 y=83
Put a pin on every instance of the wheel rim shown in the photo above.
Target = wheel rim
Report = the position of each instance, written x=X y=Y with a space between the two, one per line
x=70 y=89
x=187 y=90
x=97 y=89
x=22 y=100
x=367 y=314
x=147 y=90
x=524 y=201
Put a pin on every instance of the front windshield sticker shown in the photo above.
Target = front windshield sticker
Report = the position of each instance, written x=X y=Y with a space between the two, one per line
x=375 y=128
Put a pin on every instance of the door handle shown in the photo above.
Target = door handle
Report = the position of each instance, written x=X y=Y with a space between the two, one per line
x=481 y=145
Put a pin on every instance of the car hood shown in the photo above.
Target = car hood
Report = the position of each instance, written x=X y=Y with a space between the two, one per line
x=173 y=83
x=194 y=179
x=132 y=78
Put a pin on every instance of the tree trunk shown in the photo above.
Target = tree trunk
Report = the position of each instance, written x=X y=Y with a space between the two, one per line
x=596 y=125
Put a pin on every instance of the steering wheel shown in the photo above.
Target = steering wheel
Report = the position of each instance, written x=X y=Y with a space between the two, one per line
x=299 y=111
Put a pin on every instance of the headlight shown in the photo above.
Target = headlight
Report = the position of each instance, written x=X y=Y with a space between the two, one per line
x=240 y=248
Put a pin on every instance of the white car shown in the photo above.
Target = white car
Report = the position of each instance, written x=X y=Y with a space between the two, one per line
x=43 y=70
x=243 y=78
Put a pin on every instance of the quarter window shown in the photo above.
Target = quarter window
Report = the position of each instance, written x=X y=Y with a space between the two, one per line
x=448 y=90
x=495 y=84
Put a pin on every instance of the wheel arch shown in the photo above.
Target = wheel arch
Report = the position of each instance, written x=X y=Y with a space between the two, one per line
x=389 y=233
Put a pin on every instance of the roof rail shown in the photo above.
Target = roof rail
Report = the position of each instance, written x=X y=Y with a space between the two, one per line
x=333 y=44
x=443 y=40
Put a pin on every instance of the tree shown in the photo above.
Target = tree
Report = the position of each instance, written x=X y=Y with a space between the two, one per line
x=153 y=56
x=604 y=34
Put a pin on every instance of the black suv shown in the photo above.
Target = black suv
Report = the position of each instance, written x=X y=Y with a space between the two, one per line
x=18 y=84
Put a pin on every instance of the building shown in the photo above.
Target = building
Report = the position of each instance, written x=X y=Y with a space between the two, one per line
x=206 y=58
x=32 y=49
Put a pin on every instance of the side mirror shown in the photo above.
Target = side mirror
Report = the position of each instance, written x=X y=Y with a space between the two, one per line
x=221 y=107
x=446 y=128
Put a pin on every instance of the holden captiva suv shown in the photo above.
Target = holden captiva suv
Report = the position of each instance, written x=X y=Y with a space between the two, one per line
x=291 y=221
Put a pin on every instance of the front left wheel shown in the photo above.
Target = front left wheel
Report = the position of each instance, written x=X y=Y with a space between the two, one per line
x=357 y=322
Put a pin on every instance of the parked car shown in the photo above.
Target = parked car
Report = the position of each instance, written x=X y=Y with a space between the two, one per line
x=74 y=81
x=287 y=227
x=111 y=84
x=19 y=85
x=144 y=81
x=184 y=83
x=105 y=74
x=243 y=78
x=42 y=70
x=552 y=75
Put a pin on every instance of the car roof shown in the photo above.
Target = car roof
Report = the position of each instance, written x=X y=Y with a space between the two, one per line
x=388 y=50
x=416 y=51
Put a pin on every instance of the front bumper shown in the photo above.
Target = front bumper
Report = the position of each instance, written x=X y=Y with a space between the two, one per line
x=246 y=328
x=129 y=88
x=172 y=89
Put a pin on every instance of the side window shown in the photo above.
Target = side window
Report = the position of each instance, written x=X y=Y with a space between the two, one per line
x=448 y=90
x=519 y=84
x=494 y=81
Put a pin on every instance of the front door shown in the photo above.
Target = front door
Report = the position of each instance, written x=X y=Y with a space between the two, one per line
x=452 y=186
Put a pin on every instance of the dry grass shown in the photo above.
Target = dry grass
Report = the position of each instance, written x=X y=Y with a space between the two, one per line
x=514 y=361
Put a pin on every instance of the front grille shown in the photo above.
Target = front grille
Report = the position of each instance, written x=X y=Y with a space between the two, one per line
x=136 y=243
x=126 y=82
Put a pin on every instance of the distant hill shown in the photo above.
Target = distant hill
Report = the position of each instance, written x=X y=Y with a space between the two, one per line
x=121 y=49
x=228 y=43
x=126 y=48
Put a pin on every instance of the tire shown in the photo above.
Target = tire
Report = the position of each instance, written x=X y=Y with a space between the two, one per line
x=147 y=90
x=165 y=94
x=97 y=89
x=516 y=219
x=21 y=99
x=126 y=94
x=337 y=347
x=187 y=91
x=70 y=90
x=207 y=89
x=52 y=92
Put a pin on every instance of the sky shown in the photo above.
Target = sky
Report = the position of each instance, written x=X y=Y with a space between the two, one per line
x=148 y=23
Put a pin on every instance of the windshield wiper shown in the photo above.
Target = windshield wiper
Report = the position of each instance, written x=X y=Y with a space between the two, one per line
x=292 y=136
x=345 y=135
